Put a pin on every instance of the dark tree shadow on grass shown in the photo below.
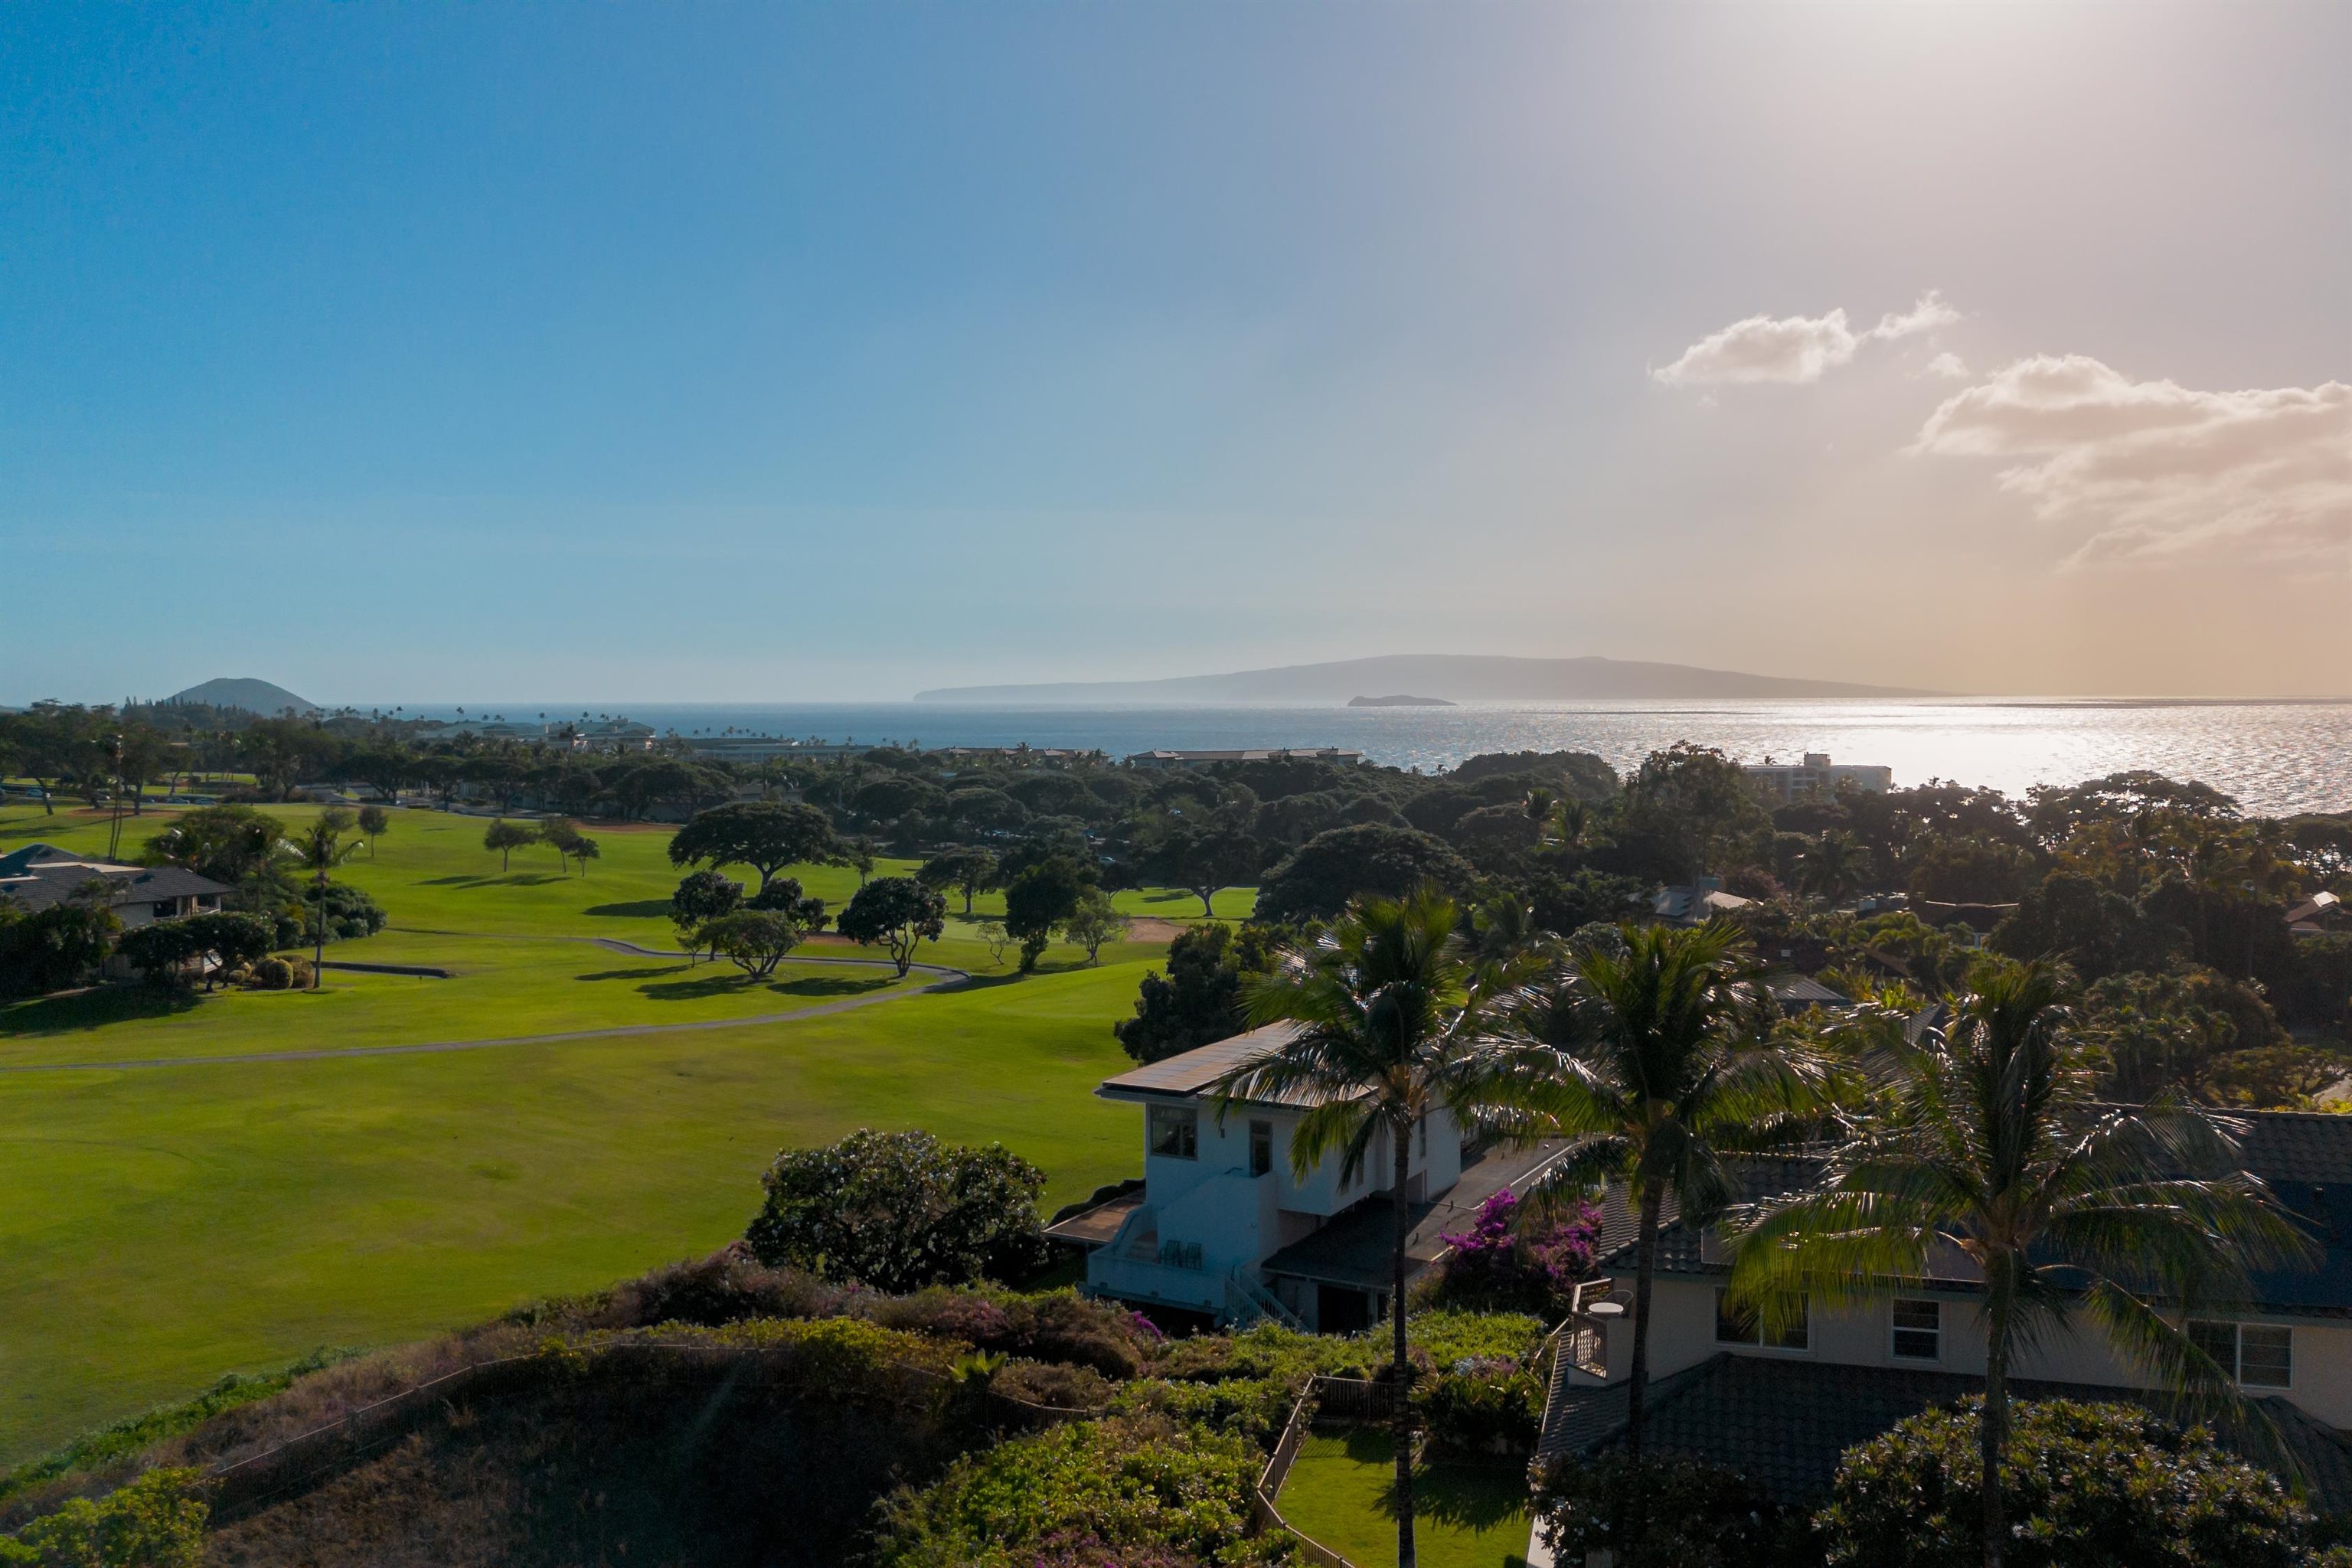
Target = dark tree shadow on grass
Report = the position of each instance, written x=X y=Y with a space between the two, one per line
x=718 y=980
x=93 y=1009
x=828 y=985
x=643 y=908
x=641 y=972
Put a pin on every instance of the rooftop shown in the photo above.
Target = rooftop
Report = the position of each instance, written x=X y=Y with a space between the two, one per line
x=1355 y=1249
x=1195 y=1073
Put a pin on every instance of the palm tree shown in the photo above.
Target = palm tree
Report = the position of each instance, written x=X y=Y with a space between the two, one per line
x=1832 y=866
x=318 y=849
x=1988 y=1138
x=1395 y=1020
x=1656 y=1072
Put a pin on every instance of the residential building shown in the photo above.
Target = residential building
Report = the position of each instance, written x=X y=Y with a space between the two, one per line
x=40 y=875
x=1815 y=778
x=1222 y=1226
x=1179 y=759
x=1695 y=902
x=1784 y=1405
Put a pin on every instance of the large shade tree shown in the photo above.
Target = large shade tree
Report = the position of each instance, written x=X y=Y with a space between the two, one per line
x=1393 y=1020
x=766 y=836
x=1990 y=1143
x=896 y=913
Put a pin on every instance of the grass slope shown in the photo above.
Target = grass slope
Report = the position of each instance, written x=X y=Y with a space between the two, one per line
x=163 y=1227
x=1465 y=1516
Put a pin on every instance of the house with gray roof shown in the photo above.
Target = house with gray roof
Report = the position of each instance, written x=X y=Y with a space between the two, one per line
x=40 y=875
x=1220 y=1226
x=1783 y=1406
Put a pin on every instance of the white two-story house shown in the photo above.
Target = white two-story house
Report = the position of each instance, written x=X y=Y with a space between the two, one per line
x=1222 y=1227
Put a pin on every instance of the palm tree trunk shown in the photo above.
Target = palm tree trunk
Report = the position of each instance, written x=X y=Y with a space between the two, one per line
x=319 y=931
x=1645 y=1268
x=1401 y=1139
x=1992 y=1435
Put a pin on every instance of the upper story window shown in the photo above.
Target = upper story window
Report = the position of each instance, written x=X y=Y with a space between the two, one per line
x=1261 y=1148
x=2257 y=1355
x=1733 y=1327
x=1919 y=1330
x=1175 y=1131
x=1421 y=1137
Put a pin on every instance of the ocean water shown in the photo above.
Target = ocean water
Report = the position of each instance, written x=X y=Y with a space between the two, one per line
x=2274 y=757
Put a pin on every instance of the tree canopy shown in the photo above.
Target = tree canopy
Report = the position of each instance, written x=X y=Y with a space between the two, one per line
x=765 y=835
x=900 y=1211
x=896 y=913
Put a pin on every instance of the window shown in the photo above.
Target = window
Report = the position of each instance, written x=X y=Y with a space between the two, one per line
x=1421 y=1137
x=1261 y=1148
x=1919 y=1330
x=1175 y=1132
x=2254 y=1354
x=1736 y=1328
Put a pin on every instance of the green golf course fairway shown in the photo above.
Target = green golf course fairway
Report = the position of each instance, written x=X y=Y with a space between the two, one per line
x=160 y=1227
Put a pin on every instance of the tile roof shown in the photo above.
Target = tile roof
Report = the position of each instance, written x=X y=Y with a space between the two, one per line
x=1785 y=1422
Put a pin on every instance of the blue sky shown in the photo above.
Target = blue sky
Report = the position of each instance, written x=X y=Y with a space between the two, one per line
x=410 y=354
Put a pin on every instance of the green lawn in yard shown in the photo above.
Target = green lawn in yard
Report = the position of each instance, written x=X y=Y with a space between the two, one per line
x=1464 y=1515
x=163 y=1227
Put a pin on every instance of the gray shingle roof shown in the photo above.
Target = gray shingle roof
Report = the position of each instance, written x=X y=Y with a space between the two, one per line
x=2304 y=1157
x=1785 y=1422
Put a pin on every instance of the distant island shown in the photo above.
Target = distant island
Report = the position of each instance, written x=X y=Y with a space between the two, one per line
x=1400 y=703
x=1472 y=678
x=261 y=696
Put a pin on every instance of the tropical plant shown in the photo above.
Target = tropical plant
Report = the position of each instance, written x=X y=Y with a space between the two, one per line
x=2111 y=1484
x=1655 y=1078
x=700 y=898
x=503 y=839
x=318 y=849
x=969 y=871
x=1392 y=1023
x=1988 y=1141
x=898 y=913
x=1832 y=865
x=1095 y=923
x=900 y=1211
x=753 y=940
x=766 y=837
x=374 y=823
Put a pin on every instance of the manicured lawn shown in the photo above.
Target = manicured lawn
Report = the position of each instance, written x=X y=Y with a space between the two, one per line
x=162 y=1227
x=503 y=987
x=1465 y=1516
x=159 y=1227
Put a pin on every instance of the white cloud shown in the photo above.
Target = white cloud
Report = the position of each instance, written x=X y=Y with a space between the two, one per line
x=1947 y=367
x=2156 y=469
x=1926 y=316
x=1794 y=350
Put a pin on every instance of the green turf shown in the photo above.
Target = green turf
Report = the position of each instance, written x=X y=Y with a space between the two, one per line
x=161 y=1227
x=1341 y=1489
x=164 y=1227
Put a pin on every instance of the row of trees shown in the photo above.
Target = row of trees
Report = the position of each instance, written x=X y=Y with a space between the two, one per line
x=1654 y=1052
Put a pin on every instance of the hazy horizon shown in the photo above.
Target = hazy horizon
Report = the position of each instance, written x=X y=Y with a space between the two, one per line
x=839 y=354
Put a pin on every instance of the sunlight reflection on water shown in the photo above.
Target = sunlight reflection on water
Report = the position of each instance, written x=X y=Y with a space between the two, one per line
x=2273 y=756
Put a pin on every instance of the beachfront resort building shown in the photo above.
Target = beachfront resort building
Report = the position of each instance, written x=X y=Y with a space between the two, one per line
x=1180 y=759
x=1814 y=778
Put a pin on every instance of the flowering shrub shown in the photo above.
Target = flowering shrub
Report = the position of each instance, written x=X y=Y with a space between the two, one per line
x=1255 y=1408
x=1124 y=1489
x=1501 y=1263
x=2107 y=1483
